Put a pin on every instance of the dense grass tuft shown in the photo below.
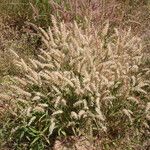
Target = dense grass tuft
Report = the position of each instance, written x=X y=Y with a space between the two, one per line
x=82 y=84
x=74 y=74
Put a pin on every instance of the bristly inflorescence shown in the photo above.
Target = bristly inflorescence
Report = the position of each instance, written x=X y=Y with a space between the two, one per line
x=77 y=78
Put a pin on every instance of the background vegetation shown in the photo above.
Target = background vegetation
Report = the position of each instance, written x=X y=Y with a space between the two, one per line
x=74 y=74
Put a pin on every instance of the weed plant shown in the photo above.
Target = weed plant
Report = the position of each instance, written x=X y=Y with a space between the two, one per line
x=82 y=84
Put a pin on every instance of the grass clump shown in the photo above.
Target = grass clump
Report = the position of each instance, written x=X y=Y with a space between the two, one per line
x=85 y=82
x=82 y=84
